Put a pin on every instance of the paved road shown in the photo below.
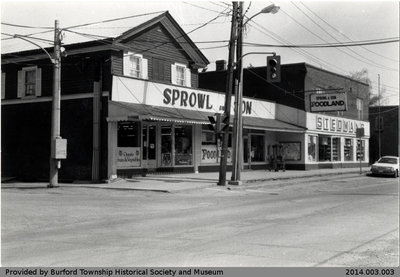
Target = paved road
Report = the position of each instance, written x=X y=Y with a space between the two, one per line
x=349 y=220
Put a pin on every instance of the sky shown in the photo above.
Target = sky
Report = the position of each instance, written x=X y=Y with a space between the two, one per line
x=296 y=23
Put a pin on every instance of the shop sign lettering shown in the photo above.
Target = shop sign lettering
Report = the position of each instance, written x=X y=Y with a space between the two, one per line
x=328 y=102
x=210 y=154
x=128 y=157
x=183 y=99
x=337 y=125
x=198 y=100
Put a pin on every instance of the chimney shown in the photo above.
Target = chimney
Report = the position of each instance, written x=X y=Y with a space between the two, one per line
x=220 y=65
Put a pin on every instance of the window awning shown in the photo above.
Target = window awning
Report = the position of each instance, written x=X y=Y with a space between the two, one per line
x=121 y=111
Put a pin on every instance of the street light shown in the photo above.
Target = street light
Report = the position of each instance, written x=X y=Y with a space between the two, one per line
x=238 y=124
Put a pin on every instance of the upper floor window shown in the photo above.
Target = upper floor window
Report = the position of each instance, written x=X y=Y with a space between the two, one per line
x=379 y=123
x=29 y=82
x=360 y=108
x=180 y=75
x=135 y=65
x=3 y=85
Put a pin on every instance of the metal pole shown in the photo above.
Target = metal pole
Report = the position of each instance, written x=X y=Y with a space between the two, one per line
x=228 y=97
x=238 y=101
x=379 y=115
x=55 y=112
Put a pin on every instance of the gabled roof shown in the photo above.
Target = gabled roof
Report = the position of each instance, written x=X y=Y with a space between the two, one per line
x=182 y=39
x=116 y=43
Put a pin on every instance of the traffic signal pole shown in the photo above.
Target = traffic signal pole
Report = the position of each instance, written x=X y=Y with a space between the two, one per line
x=228 y=97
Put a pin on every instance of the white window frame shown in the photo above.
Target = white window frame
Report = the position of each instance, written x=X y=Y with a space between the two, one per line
x=3 y=85
x=132 y=71
x=22 y=82
x=175 y=78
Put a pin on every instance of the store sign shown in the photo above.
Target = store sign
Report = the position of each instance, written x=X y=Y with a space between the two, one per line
x=128 y=157
x=165 y=95
x=340 y=125
x=328 y=102
x=210 y=154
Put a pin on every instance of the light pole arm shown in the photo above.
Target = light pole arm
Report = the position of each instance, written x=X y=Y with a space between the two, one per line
x=257 y=53
x=50 y=57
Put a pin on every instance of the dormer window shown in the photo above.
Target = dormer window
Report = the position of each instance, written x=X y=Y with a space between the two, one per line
x=135 y=65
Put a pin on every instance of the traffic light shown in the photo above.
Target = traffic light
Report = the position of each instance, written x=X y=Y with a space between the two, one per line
x=274 y=69
x=224 y=123
x=215 y=123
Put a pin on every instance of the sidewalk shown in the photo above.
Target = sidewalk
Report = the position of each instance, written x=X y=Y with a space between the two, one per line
x=189 y=181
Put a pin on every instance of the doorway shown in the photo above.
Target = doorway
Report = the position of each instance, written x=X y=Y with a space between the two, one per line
x=149 y=136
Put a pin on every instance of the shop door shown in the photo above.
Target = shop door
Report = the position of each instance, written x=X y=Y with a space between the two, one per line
x=149 y=135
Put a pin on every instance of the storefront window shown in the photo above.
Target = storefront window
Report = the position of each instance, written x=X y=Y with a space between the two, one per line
x=128 y=134
x=311 y=148
x=324 y=153
x=183 y=145
x=166 y=145
x=348 y=149
x=128 y=145
x=361 y=150
x=336 y=149
x=257 y=148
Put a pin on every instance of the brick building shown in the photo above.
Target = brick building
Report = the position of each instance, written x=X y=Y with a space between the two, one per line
x=329 y=139
x=385 y=127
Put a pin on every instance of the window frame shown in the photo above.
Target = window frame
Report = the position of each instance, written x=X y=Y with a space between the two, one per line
x=22 y=82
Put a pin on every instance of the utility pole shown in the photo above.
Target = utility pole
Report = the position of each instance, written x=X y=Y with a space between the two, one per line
x=55 y=112
x=228 y=97
x=379 y=116
x=238 y=123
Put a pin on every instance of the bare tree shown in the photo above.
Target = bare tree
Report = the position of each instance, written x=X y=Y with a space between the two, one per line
x=362 y=76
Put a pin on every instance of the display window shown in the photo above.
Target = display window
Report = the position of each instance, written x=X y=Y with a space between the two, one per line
x=257 y=153
x=128 y=134
x=361 y=150
x=183 y=145
x=128 y=144
x=335 y=149
x=312 y=145
x=348 y=150
x=166 y=145
x=324 y=149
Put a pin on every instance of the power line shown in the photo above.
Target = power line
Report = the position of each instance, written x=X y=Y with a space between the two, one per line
x=111 y=20
x=359 y=59
x=330 y=25
x=351 y=50
x=25 y=26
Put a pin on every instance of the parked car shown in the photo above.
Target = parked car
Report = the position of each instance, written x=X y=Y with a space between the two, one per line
x=386 y=165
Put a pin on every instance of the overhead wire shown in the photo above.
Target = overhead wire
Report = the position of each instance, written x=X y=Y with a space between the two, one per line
x=344 y=35
x=357 y=55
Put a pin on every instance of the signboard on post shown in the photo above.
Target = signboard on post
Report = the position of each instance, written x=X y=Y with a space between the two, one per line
x=359 y=132
x=328 y=102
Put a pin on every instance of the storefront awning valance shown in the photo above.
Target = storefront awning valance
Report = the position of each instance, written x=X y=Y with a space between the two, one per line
x=271 y=125
x=121 y=111
x=128 y=111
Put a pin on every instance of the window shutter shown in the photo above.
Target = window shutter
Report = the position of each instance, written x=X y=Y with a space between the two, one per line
x=3 y=85
x=188 y=77
x=125 y=64
x=38 y=82
x=145 y=73
x=21 y=83
x=173 y=74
